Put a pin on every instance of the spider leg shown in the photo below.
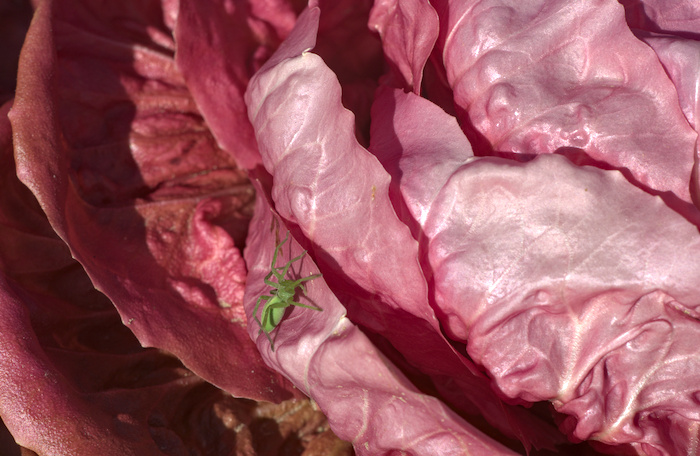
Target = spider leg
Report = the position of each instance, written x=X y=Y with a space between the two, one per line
x=269 y=282
x=285 y=268
x=301 y=255
x=272 y=345
x=306 y=306
x=277 y=251
x=297 y=283
x=255 y=311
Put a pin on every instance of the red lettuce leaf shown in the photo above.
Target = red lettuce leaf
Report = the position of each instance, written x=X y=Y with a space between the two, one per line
x=669 y=16
x=354 y=53
x=42 y=408
x=681 y=59
x=539 y=77
x=73 y=379
x=412 y=136
x=109 y=140
x=368 y=401
x=576 y=293
x=234 y=39
x=337 y=194
x=409 y=30
x=584 y=303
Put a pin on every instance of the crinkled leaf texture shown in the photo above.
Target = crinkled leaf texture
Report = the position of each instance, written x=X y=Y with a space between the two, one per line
x=584 y=303
x=110 y=142
x=337 y=194
x=568 y=283
x=680 y=57
x=544 y=76
x=367 y=400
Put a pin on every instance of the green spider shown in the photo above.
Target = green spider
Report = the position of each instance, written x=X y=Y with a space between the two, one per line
x=282 y=294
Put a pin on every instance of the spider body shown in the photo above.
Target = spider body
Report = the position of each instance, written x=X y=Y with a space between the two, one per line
x=281 y=295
